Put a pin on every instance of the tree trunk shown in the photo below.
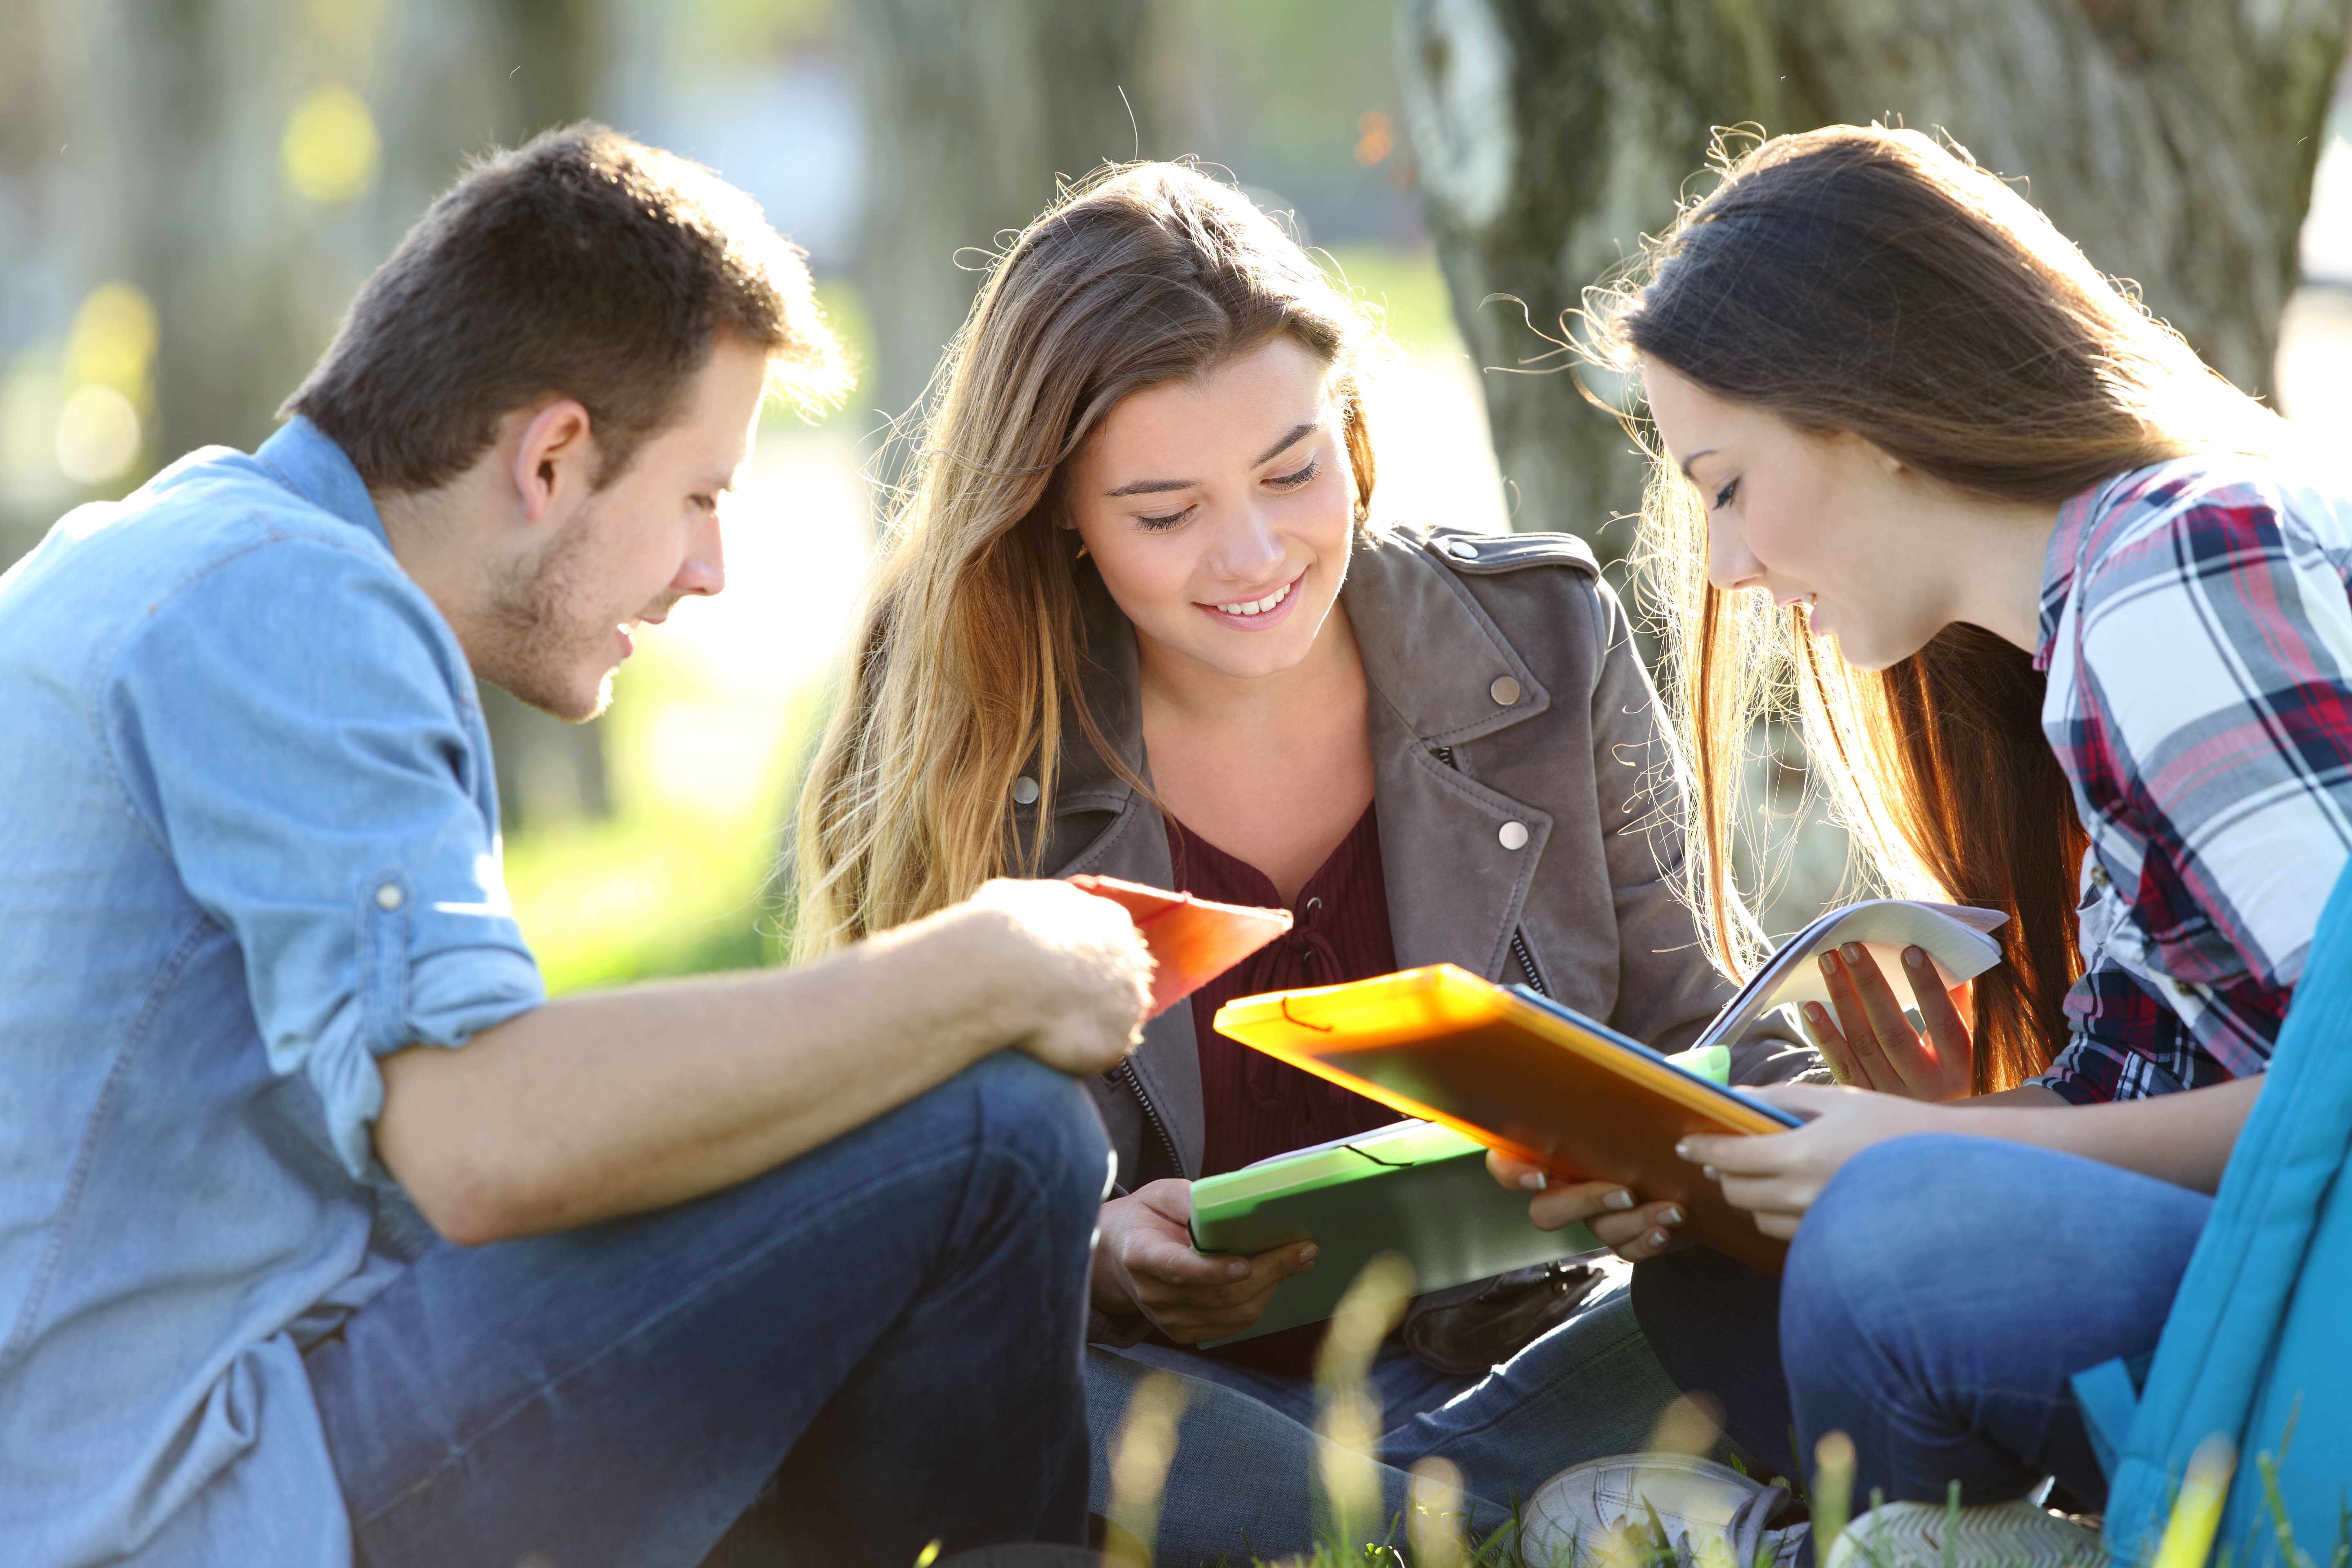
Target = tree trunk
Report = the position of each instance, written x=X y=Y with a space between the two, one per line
x=2174 y=140
x=973 y=113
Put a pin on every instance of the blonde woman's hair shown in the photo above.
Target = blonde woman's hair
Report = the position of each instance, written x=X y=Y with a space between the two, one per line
x=968 y=653
x=1876 y=281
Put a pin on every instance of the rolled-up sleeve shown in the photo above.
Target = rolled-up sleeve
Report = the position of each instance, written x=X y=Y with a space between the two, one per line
x=297 y=731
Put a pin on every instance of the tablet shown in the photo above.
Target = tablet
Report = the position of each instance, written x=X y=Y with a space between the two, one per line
x=1416 y=1189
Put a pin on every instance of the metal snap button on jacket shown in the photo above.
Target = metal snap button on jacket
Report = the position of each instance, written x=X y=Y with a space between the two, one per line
x=1462 y=550
x=1504 y=690
x=1514 y=836
x=1025 y=791
x=388 y=897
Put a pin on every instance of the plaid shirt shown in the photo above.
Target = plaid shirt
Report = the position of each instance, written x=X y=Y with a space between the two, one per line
x=2197 y=633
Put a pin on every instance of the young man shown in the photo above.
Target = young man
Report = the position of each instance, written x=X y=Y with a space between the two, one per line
x=799 y=1235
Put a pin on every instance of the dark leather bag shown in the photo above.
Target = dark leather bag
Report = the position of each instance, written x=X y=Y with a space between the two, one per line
x=1467 y=1332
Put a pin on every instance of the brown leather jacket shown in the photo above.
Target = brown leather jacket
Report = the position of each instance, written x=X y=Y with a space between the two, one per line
x=1517 y=758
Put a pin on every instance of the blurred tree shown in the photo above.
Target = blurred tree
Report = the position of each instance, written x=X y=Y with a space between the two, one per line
x=972 y=112
x=2174 y=140
x=245 y=163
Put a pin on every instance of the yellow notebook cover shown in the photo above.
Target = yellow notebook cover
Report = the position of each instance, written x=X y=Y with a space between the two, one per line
x=1522 y=1074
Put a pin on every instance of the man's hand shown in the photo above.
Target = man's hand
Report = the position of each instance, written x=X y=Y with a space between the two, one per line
x=1777 y=1177
x=1873 y=1046
x=1633 y=1230
x=1084 y=976
x=1144 y=1263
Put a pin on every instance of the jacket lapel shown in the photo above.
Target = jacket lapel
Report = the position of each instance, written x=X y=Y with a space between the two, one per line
x=1433 y=657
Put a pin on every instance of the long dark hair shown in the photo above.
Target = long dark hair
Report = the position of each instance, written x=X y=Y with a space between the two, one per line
x=1876 y=281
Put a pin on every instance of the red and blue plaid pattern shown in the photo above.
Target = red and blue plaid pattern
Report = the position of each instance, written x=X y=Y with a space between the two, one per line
x=2197 y=633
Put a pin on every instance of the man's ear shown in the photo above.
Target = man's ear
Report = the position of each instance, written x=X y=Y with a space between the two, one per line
x=554 y=462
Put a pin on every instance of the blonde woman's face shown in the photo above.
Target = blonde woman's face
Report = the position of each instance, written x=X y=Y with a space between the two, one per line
x=1219 y=511
x=1812 y=519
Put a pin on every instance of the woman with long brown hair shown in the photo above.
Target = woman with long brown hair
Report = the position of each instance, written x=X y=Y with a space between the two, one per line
x=1138 y=615
x=2048 y=594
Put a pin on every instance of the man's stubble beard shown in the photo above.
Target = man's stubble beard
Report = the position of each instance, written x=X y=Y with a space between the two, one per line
x=529 y=641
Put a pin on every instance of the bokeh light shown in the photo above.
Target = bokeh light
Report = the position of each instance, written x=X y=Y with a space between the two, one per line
x=106 y=373
x=97 y=435
x=113 y=341
x=331 y=148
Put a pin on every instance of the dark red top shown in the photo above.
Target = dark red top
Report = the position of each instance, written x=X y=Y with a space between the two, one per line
x=1257 y=1106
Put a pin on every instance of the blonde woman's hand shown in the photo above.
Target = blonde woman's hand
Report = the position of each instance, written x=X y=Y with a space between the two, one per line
x=1072 y=968
x=1872 y=1046
x=1776 y=1176
x=1620 y=1222
x=1144 y=1264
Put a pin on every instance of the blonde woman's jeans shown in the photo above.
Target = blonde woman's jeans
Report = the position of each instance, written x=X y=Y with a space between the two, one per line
x=1248 y=1470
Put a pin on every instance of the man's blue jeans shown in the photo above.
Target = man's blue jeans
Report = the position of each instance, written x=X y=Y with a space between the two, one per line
x=878 y=1343
x=1938 y=1298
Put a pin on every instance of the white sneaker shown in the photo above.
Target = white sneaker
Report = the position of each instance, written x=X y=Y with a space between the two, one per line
x=1986 y=1535
x=1651 y=1510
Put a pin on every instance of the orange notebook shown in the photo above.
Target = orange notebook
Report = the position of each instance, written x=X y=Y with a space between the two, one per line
x=1523 y=1074
x=1192 y=939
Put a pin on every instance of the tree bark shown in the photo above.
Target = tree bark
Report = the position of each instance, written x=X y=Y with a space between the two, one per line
x=973 y=113
x=2173 y=140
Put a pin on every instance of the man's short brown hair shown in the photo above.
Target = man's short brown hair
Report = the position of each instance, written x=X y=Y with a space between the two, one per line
x=583 y=265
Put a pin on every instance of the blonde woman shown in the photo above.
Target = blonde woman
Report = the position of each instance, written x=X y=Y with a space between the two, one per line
x=1136 y=616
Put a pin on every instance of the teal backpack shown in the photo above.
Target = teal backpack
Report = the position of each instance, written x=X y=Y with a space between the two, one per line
x=2258 y=1348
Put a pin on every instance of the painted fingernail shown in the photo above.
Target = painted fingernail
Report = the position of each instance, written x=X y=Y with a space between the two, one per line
x=1852 y=951
x=1671 y=1217
x=1620 y=1199
x=1236 y=1268
x=1710 y=1172
x=1309 y=1253
x=1816 y=1014
x=1916 y=957
x=1682 y=1150
x=1535 y=1181
x=1828 y=962
x=1657 y=1238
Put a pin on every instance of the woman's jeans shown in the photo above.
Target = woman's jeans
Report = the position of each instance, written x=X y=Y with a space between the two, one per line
x=878 y=1343
x=1248 y=1460
x=1938 y=1298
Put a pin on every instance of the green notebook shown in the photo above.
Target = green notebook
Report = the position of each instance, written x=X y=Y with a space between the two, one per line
x=1415 y=1188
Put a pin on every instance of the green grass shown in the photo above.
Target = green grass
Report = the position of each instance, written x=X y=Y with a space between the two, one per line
x=646 y=895
x=665 y=886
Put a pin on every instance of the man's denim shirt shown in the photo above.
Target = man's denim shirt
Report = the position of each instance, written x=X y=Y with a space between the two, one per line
x=248 y=845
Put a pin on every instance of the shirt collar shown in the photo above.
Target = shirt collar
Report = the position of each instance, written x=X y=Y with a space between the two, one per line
x=317 y=469
x=2060 y=563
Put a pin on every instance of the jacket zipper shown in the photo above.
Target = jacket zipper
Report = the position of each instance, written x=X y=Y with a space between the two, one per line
x=1519 y=949
x=1126 y=1070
